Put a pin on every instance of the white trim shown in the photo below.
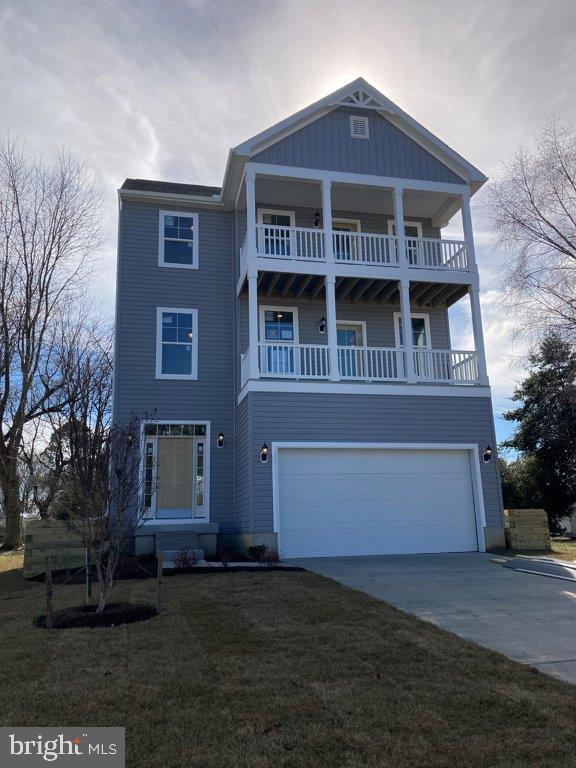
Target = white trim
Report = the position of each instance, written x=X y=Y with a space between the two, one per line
x=364 y=120
x=423 y=315
x=361 y=323
x=417 y=224
x=472 y=448
x=277 y=308
x=358 y=179
x=357 y=222
x=276 y=212
x=177 y=310
x=207 y=451
x=162 y=239
x=366 y=388
x=164 y=198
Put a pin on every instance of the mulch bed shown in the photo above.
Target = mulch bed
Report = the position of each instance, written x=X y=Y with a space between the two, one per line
x=231 y=569
x=86 y=616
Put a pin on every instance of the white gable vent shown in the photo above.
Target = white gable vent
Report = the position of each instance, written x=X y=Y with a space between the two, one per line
x=359 y=127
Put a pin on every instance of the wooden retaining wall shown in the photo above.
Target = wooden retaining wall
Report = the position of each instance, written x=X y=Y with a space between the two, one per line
x=51 y=537
x=527 y=529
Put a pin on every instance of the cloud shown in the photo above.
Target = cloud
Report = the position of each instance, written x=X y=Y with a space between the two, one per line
x=163 y=90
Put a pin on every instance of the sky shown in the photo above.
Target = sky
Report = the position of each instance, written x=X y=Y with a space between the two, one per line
x=162 y=89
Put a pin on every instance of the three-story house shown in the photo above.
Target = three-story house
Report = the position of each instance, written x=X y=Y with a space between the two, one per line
x=286 y=340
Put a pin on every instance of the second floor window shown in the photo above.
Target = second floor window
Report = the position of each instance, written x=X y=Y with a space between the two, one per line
x=177 y=343
x=178 y=240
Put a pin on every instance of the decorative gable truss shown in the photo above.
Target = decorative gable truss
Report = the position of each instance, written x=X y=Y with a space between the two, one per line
x=363 y=99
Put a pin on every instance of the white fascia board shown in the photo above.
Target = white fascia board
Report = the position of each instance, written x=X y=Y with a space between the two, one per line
x=344 y=388
x=169 y=197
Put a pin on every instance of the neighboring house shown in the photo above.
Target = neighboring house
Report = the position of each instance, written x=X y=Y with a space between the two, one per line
x=272 y=313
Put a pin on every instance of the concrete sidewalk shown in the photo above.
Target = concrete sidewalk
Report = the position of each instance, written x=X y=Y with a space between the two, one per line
x=529 y=618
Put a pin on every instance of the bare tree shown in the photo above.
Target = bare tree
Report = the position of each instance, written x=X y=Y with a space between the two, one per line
x=49 y=225
x=533 y=211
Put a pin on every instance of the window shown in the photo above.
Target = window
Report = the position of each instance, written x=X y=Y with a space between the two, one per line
x=359 y=128
x=177 y=343
x=420 y=331
x=178 y=240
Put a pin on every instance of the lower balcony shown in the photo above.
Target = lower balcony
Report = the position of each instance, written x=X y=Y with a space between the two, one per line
x=366 y=364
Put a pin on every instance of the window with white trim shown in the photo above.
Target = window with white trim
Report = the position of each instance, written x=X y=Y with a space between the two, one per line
x=178 y=239
x=176 y=343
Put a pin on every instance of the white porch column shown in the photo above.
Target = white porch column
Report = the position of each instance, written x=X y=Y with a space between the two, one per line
x=399 y=225
x=251 y=213
x=331 y=327
x=468 y=232
x=253 y=348
x=476 y=312
x=407 y=331
x=327 y=222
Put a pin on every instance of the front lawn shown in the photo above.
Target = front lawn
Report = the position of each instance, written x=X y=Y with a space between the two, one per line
x=266 y=669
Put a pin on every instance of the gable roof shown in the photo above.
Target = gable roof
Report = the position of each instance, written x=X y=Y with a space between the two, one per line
x=362 y=95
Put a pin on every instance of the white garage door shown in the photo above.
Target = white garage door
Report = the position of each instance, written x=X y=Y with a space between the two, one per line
x=357 y=501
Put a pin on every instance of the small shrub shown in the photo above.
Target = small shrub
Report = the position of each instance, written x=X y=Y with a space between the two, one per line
x=257 y=552
x=185 y=558
x=270 y=558
x=225 y=556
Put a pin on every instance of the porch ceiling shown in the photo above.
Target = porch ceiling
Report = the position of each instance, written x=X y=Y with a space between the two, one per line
x=285 y=285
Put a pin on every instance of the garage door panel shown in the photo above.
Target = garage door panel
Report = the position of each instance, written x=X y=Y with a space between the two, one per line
x=374 y=501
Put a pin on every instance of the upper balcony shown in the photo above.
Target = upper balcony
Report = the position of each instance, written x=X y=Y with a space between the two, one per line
x=347 y=224
x=355 y=248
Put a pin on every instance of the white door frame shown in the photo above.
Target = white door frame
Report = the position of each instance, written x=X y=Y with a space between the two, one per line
x=154 y=440
x=473 y=453
x=421 y=315
x=277 y=308
x=359 y=323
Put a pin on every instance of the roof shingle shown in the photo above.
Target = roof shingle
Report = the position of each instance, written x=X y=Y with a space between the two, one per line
x=148 y=185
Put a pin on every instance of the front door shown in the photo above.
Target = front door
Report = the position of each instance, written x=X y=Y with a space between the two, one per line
x=180 y=488
x=412 y=233
x=276 y=233
x=350 y=336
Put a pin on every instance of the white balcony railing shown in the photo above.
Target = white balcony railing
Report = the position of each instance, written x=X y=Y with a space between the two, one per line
x=371 y=363
x=294 y=361
x=290 y=242
x=356 y=248
x=312 y=361
x=364 y=248
x=448 y=366
x=434 y=253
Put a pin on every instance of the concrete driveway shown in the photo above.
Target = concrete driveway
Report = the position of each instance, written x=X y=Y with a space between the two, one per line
x=530 y=618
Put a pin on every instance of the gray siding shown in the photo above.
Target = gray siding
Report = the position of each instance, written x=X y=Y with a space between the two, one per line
x=144 y=286
x=379 y=319
x=243 y=467
x=326 y=144
x=369 y=418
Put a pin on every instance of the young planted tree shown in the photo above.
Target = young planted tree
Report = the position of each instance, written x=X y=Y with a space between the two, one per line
x=102 y=486
x=533 y=211
x=546 y=424
x=49 y=225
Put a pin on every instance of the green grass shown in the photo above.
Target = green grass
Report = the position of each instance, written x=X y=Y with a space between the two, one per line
x=562 y=548
x=267 y=669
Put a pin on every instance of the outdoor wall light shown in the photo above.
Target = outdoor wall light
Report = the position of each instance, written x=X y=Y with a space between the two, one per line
x=220 y=440
x=264 y=453
x=487 y=454
x=322 y=325
x=316 y=219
